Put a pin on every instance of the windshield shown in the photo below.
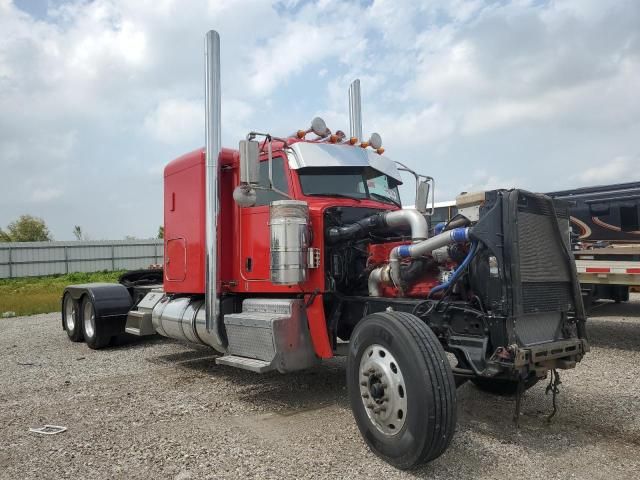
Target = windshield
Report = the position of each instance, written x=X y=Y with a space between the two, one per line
x=351 y=182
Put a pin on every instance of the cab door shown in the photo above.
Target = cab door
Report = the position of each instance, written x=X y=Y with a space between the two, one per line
x=254 y=222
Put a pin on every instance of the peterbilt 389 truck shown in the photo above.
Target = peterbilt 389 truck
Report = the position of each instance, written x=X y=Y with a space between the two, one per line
x=291 y=250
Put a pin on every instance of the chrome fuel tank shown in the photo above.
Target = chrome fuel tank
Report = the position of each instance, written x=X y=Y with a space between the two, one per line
x=184 y=318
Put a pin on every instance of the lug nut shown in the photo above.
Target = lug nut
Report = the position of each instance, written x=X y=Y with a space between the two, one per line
x=365 y=395
x=364 y=384
x=370 y=405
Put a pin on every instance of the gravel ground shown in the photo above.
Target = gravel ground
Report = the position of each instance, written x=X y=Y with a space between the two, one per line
x=155 y=408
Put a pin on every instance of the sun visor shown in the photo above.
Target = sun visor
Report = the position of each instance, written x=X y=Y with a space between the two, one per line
x=330 y=155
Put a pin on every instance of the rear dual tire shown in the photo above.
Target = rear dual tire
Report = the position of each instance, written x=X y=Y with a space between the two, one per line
x=401 y=389
x=71 y=318
x=92 y=329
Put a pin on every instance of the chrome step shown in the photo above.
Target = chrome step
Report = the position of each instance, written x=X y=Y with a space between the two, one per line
x=273 y=331
x=252 y=364
x=133 y=331
x=139 y=323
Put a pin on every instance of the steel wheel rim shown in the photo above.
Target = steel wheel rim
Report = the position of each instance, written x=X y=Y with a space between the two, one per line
x=89 y=318
x=383 y=390
x=69 y=314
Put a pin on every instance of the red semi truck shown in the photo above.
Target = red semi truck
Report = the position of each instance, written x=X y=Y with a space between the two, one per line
x=291 y=250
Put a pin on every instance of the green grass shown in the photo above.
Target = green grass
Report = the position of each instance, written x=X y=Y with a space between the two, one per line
x=31 y=295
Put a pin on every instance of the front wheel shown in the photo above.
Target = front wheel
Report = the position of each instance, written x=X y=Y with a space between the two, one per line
x=401 y=389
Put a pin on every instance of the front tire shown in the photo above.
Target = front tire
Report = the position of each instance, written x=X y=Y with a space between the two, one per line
x=401 y=389
x=71 y=318
x=91 y=326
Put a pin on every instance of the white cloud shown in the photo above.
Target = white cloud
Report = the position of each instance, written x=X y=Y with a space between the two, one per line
x=620 y=169
x=519 y=63
x=504 y=113
x=98 y=96
x=428 y=126
x=46 y=194
x=482 y=180
x=327 y=30
x=175 y=121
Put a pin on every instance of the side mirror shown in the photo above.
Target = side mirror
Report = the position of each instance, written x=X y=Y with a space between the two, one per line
x=249 y=162
x=422 y=196
x=244 y=194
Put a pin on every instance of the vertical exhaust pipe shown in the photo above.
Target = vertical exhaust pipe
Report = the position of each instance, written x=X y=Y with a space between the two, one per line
x=355 y=110
x=212 y=95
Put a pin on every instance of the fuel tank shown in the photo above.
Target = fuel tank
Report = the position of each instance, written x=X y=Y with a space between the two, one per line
x=184 y=318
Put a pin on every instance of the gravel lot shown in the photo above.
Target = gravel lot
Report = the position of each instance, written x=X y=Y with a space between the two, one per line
x=158 y=409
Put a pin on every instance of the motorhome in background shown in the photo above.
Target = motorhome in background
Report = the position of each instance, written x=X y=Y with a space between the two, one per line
x=605 y=224
x=605 y=234
x=606 y=213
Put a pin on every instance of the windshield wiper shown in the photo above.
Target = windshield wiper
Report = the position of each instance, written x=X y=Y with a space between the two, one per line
x=339 y=195
x=382 y=198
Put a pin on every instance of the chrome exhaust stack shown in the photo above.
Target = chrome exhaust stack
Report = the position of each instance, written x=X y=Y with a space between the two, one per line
x=213 y=147
x=355 y=110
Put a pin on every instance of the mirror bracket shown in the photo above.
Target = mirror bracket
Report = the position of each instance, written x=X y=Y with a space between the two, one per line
x=244 y=194
x=424 y=185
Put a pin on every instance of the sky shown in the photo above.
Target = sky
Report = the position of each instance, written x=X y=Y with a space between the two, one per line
x=97 y=96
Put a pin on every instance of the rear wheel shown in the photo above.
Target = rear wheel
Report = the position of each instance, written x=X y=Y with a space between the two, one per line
x=91 y=327
x=71 y=318
x=401 y=389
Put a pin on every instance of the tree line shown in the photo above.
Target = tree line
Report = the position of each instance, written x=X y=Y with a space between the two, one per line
x=26 y=229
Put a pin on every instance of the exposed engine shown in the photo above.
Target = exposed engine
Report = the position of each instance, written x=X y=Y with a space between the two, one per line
x=502 y=255
x=369 y=252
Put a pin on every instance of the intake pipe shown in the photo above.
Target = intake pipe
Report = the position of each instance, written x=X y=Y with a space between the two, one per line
x=355 y=231
x=411 y=217
x=395 y=219
x=377 y=277
x=457 y=235
x=212 y=95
